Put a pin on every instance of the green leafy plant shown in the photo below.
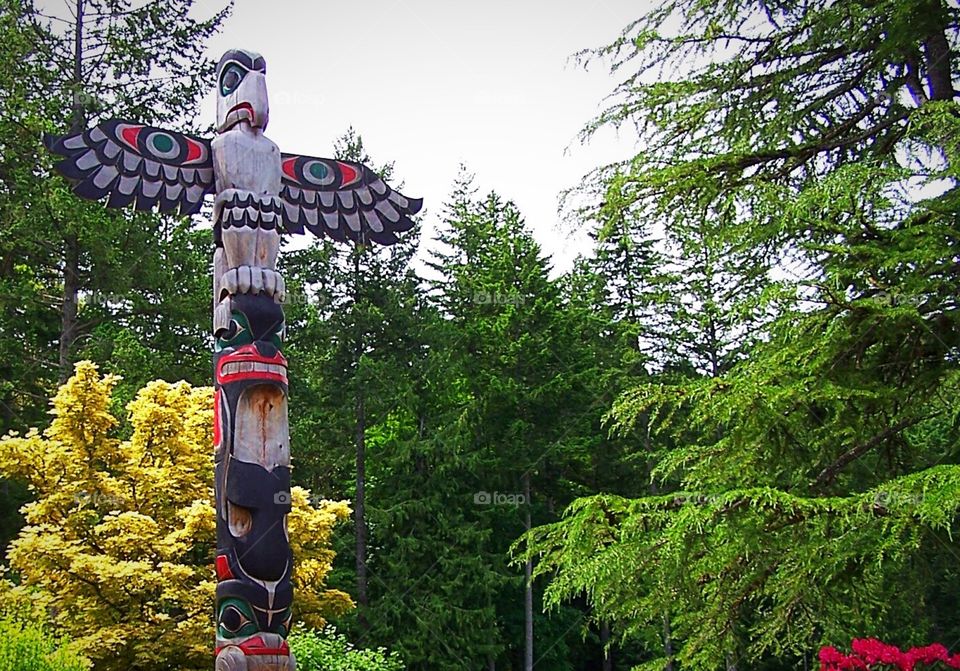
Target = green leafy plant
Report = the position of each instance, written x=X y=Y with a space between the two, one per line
x=329 y=651
x=27 y=647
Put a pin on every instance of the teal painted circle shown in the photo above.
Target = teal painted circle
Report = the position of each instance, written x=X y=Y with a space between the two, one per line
x=163 y=145
x=162 y=142
x=318 y=172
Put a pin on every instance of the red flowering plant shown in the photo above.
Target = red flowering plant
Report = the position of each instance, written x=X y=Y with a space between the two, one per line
x=869 y=654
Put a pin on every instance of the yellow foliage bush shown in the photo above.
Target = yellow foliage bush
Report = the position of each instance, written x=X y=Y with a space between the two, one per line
x=118 y=544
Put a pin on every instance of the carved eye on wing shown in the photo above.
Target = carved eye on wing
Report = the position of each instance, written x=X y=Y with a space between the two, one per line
x=342 y=199
x=133 y=163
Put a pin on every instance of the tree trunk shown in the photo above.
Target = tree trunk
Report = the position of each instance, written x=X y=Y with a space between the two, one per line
x=68 y=308
x=936 y=52
x=604 y=640
x=71 y=247
x=667 y=644
x=359 y=513
x=528 y=591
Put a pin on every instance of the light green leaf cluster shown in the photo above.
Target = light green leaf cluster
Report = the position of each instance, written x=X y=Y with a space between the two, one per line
x=328 y=650
x=26 y=646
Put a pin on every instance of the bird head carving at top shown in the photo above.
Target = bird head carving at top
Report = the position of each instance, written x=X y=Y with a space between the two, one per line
x=147 y=167
x=242 y=90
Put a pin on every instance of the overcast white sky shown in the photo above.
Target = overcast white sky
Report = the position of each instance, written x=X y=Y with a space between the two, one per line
x=430 y=84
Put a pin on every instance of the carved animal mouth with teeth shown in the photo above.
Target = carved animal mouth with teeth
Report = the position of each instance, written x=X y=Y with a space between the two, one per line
x=248 y=364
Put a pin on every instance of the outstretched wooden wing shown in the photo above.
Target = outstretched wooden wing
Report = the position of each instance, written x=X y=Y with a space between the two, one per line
x=133 y=163
x=342 y=199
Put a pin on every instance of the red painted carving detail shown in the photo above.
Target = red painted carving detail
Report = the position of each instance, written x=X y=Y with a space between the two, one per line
x=256 y=646
x=290 y=169
x=130 y=134
x=350 y=174
x=223 y=568
x=194 y=150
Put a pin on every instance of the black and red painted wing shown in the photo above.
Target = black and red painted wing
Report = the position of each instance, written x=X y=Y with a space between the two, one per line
x=136 y=164
x=343 y=200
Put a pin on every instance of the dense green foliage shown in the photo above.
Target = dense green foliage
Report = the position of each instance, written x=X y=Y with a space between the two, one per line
x=77 y=281
x=461 y=384
x=744 y=396
x=802 y=158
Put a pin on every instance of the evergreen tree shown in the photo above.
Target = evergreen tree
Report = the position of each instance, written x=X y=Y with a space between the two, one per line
x=527 y=412
x=355 y=337
x=28 y=326
x=27 y=323
x=817 y=476
x=127 y=288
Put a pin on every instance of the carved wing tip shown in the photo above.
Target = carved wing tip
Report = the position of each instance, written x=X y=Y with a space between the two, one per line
x=415 y=205
x=386 y=238
x=52 y=143
x=69 y=171
x=404 y=225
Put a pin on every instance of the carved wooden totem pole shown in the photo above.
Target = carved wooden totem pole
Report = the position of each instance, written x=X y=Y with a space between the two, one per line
x=260 y=193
